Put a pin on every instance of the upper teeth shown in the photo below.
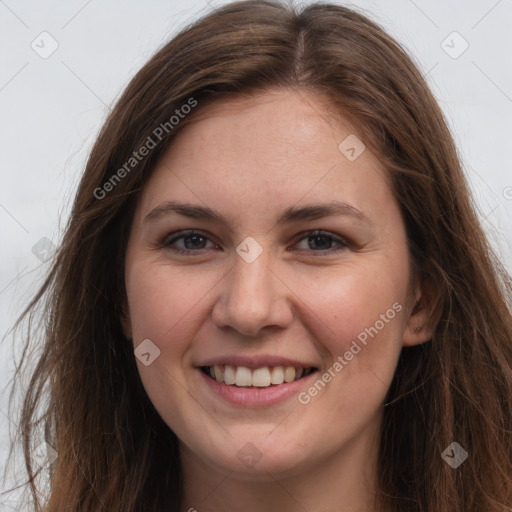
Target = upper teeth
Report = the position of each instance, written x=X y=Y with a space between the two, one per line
x=259 y=377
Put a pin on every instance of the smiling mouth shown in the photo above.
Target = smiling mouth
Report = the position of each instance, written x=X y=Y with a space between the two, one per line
x=264 y=377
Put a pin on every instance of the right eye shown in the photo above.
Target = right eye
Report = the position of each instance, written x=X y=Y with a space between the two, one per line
x=193 y=242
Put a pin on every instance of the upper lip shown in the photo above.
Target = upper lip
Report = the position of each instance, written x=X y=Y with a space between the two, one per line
x=255 y=361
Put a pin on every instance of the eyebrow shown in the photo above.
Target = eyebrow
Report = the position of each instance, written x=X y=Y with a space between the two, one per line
x=291 y=214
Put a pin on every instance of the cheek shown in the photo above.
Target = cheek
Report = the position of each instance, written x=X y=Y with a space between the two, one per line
x=164 y=308
x=357 y=321
x=163 y=305
x=358 y=310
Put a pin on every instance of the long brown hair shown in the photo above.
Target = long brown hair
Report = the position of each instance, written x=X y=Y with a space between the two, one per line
x=114 y=451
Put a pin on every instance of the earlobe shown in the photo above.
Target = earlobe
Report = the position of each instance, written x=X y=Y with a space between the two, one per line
x=417 y=335
x=424 y=316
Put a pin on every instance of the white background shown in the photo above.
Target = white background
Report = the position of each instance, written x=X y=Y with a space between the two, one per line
x=51 y=110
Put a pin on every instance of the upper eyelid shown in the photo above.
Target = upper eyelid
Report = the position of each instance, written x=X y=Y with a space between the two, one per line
x=182 y=234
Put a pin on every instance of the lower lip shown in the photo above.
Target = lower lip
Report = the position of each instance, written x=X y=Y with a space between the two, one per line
x=253 y=396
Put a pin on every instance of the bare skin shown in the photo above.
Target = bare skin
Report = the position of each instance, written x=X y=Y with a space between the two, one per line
x=303 y=297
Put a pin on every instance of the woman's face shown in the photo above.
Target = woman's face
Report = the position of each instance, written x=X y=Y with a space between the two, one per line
x=257 y=294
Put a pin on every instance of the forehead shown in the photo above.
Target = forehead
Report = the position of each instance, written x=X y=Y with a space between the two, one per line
x=267 y=121
x=268 y=149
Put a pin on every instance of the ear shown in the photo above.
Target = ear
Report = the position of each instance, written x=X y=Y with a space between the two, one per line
x=424 y=315
x=126 y=323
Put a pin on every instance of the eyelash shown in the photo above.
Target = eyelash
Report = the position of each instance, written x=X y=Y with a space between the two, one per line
x=167 y=242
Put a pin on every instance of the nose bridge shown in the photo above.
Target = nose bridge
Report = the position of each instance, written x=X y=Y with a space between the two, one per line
x=250 y=286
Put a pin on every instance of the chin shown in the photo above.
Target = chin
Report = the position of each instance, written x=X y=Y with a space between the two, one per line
x=252 y=454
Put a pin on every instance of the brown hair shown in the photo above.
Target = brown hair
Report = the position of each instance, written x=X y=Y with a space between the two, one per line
x=114 y=450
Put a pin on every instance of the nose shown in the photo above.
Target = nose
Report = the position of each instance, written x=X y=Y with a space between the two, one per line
x=253 y=298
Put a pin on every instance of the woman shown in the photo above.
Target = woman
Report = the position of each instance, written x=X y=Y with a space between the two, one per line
x=206 y=351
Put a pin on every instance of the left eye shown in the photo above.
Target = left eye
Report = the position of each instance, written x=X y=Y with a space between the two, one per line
x=317 y=241
x=323 y=239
